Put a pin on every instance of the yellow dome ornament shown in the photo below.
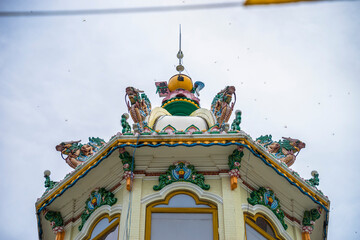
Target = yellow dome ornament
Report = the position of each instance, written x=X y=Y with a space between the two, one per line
x=180 y=81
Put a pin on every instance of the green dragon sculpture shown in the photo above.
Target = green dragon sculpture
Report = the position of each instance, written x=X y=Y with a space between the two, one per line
x=284 y=150
x=78 y=153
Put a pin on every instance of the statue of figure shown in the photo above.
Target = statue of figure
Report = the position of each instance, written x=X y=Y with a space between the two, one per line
x=77 y=153
x=222 y=106
x=139 y=106
x=284 y=149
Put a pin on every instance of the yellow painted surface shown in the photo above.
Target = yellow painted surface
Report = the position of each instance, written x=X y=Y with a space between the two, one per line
x=233 y=227
x=174 y=83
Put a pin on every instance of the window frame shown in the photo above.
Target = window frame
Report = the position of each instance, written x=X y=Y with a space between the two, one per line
x=251 y=221
x=106 y=230
x=152 y=209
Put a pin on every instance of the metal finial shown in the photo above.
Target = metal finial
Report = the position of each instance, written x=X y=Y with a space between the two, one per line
x=180 y=54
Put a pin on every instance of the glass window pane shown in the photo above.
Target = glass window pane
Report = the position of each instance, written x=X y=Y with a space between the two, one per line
x=112 y=234
x=252 y=234
x=264 y=225
x=182 y=201
x=104 y=223
x=180 y=226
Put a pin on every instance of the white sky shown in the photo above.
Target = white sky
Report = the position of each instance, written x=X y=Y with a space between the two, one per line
x=295 y=68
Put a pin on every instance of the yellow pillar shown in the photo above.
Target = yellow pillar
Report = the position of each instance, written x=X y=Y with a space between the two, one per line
x=126 y=226
x=233 y=214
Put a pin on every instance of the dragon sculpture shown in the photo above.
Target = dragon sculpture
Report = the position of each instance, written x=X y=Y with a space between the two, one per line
x=139 y=106
x=222 y=106
x=284 y=149
x=78 y=153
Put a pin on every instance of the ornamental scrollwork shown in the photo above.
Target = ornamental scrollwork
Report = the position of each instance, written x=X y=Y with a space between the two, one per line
x=234 y=161
x=181 y=172
x=309 y=219
x=55 y=219
x=267 y=198
x=97 y=198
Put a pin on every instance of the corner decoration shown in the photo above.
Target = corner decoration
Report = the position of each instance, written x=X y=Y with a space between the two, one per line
x=55 y=220
x=222 y=106
x=139 y=106
x=234 y=165
x=126 y=128
x=314 y=181
x=49 y=184
x=309 y=219
x=128 y=167
x=284 y=150
x=181 y=172
x=78 y=153
x=97 y=198
x=235 y=126
x=267 y=198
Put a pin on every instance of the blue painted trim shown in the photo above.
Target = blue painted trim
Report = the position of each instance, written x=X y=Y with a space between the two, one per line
x=172 y=145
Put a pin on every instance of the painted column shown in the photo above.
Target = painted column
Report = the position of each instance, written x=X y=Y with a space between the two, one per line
x=233 y=214
x=130 y=223
x=136 y=209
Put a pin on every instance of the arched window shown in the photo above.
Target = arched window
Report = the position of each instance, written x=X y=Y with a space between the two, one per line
x=259 y=227
x=181 y=216
x=104 y=228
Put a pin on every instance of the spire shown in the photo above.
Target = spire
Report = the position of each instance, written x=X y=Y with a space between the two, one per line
x=180 y=54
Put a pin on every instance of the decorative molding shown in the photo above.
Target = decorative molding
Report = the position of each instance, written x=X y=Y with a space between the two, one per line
x=182 y=186
x=181 y=171
x=128 y=167
x=268 y=213
x=105 y=209
x=266 y=197
x=234 y=162
x=56 y=221
x=309 y=219
x=98 y=198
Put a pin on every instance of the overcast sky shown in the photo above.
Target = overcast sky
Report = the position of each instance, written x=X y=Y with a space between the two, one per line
x=296 y=69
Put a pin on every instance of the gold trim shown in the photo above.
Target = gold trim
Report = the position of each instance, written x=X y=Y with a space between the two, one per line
x=151 y=208
x=106 y=230
x=255 y=148
x=251 y=219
